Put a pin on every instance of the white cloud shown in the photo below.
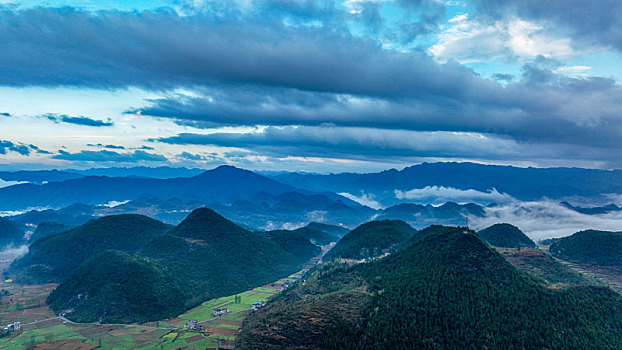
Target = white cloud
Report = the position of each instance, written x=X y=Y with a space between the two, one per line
x=546 y=219
x=10 y=183
x=441 y=194
x=459 y=18
x=366 y=199
x=471 y=41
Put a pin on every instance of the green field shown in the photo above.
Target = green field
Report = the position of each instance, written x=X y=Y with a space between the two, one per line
x=40 y=326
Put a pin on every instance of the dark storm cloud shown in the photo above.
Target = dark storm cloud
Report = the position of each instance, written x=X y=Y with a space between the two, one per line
x=297 y=64
x=542 y=106
x=162 y=50
x=592 y=22
x=109 y=156
x=81 y=120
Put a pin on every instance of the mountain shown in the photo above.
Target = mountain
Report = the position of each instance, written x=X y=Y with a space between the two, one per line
x=371 y=239
x=295 y=243
x=602 y=248
x=47 y=228
x=54 y=257
x=447 y=291
x=521 y=183
x=206 y=256
x=162 y=172
x=115 y=286
x=224 y=184
x=338 y=231
x=72 y=215
x=420 y=216
x=38 y=176
x=592 y=210
x=506 y=236
x=10 y=233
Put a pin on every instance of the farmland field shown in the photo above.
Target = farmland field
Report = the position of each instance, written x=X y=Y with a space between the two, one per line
x=41 y=329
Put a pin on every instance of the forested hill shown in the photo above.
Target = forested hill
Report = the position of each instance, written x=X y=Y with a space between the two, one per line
x=371 y=239
x=10 y=233
x=506 y=236
x=590 y=247
x=206 y=256
x=53 y=257
x=448 y=291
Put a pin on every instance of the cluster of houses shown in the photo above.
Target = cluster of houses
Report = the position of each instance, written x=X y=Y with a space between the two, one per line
x=194 y=324
x=220 y=312
x=258 y=304
x=11 y=327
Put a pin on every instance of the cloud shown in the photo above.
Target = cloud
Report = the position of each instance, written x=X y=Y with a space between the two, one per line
x=18 y=147
x=441 y=194
x=381 y=144
x=85 y=121
x=591 y=23
x=109 y=156
x=105 y=146
x=366 y=199
x=10 y=183
x=472 y=41
x=545 y=219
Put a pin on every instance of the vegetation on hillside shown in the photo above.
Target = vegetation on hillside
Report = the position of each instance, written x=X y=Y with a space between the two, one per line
x=54 y=257
x=204 y=257
x=371 y=239
x=506 y=236
x=10 y=233
x=602 y=248
x=117 y=287
x=448 y=291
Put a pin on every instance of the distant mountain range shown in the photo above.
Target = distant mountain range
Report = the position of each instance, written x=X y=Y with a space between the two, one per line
x=520 y=183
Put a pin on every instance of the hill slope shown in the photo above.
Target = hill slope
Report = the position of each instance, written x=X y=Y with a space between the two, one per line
x=371 y=239
x=506 y=236
x=10 y=233
x=449 y=291
x=591 y=247
x=206 y=256
x=115 y=286
x=54 y=257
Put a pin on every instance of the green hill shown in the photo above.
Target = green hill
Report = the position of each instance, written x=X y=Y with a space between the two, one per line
x=47 y=228
x=590 y=247
x=448 y=291
x=338 y=231
x=506 y=236
x=54 y=257
x=206 y=256
x=294 y=242
x=117 y=287
x=10 y=233
x=371 y=239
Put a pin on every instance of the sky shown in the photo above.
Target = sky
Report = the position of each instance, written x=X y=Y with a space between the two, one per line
x=316 y=86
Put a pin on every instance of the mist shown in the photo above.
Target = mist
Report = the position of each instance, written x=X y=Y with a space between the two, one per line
x=545 y=219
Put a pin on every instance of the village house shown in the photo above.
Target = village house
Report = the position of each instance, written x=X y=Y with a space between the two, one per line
x=220 y=312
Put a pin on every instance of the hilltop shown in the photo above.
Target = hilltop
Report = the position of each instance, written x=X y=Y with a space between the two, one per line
x=53 y=257
x=602 y=248
x=10 y=233
x=448 y=291
x=506 y=236
x=206 y=256
x=371 y=239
